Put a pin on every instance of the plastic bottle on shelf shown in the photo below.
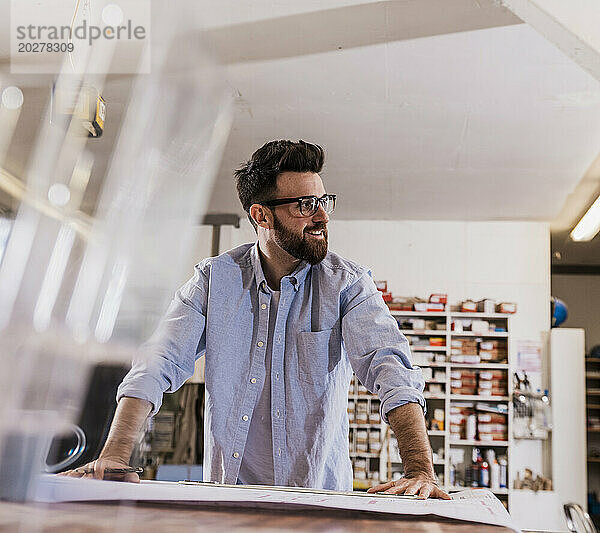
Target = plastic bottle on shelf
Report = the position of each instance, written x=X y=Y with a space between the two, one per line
x=503 y=462
x=475 y=467
x=484 y=474
x=452 y=475
x=495 y=475
x=471 y=431
x=547 y=410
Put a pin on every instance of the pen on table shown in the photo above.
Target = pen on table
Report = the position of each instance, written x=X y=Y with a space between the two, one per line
x=131 y=469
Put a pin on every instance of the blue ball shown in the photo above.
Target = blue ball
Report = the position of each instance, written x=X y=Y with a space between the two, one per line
x=559 y=312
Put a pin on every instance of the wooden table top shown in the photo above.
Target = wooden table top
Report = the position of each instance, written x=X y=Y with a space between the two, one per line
x=169 y=518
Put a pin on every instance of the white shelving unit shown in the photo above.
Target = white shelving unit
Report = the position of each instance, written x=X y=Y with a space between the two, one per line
x=441 y=439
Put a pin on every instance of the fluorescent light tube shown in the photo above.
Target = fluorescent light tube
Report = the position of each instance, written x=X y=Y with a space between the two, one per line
x=589 y=225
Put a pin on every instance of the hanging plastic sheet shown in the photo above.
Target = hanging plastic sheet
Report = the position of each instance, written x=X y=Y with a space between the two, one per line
x=100 y=227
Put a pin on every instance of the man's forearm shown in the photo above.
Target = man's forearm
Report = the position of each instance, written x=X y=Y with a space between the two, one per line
x=408 y=424
x=126 y=426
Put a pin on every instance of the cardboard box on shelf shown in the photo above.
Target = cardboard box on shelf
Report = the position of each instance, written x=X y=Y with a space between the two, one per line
x=438 y=299
x=463 y=373
x=480 y=326
x=465 y=351
x=374 y=418
x=458 y=385
x=419 y=324
x=489 y=375
x=491 y=392
x=506 y=307
x=493 y=436
x=423 y=307
x=465 y=359
x=361 y=441
x=360 y=463
x=468 y=306
x=418 y=341
x=437 y=341
x=439 y=375
x=492 y=428
x=492 y=383
x=491 y=418
x=486 y=306
x=457 y=432
x=463 y=347
x=492 y=345
x=374 y=440
x=491 y=357
x=422 y=358
x=427 y=373
x=434 y=388
x=464 y=391
x=361 y=418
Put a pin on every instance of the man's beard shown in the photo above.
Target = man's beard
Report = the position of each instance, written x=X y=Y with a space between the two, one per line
x=301 y=247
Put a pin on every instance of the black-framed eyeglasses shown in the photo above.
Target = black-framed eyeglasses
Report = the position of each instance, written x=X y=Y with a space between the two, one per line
x=307 y=205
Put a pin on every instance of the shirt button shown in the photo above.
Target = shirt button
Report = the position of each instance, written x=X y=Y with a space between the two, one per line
x=253 y=380
x=279 y=452
x=236 y=454
x=277 y=375
x=277 y=413
x=245 y=418
x=260 y=344
x=263 y=306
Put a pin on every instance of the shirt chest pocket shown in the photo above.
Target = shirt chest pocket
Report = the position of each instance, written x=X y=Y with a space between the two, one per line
x=319 y=352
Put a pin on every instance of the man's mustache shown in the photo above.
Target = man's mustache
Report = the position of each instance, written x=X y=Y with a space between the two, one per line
x=317 y=227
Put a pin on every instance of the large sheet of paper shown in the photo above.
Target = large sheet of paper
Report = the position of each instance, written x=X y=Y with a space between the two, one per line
x=471 y=505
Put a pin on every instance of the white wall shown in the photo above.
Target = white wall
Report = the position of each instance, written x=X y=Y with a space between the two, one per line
x=581 y=293
x=507 y=261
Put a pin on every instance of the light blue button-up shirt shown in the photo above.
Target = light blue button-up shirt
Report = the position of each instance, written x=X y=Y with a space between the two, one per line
x=331 y=320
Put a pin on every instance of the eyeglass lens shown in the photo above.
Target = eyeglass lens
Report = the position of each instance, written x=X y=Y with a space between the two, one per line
x=309 y=206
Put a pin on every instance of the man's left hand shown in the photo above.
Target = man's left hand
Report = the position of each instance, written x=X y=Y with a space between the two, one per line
x=423 y=486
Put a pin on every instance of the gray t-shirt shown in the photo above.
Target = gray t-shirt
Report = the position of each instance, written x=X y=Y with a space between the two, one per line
x=256 y=467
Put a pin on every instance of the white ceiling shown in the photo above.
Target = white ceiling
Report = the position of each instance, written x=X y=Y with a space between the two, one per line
x=480 y=125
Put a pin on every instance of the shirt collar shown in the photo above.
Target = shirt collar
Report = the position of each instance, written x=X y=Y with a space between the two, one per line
x=297 y=277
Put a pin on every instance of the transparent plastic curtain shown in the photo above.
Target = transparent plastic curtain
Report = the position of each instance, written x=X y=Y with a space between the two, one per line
x=84 y=281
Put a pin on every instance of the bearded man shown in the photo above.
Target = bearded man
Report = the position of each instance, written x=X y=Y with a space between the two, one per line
x=283 y=323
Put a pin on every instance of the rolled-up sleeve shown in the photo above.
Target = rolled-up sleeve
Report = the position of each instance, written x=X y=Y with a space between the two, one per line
x=378 y=351
x=167 y=359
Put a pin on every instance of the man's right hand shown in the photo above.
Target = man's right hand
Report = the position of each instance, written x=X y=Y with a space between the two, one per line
x=124 y=430
x=96 y=470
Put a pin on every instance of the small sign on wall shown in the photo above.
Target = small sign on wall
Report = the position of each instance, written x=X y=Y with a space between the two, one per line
x=529 y=356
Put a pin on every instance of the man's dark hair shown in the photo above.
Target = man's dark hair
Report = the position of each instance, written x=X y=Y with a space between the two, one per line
x=256 y=181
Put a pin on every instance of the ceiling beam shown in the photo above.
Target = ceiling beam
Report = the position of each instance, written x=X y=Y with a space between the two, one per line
x=571 y=26
x=353 y=26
